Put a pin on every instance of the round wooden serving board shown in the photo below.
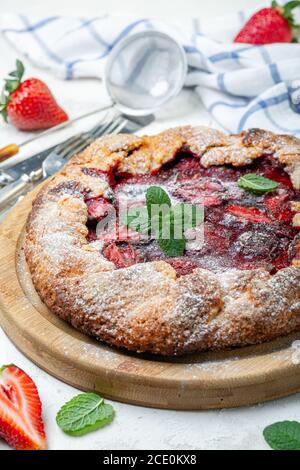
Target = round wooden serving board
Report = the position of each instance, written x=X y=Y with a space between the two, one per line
x=207 y=380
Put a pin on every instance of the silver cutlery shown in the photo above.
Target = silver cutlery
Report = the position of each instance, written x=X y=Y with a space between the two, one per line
x=57 y=158
x=5 y=178
x=143 y=72
x=12 y=149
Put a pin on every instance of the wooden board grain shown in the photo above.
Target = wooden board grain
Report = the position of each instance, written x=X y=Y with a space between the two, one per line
x=201 y=381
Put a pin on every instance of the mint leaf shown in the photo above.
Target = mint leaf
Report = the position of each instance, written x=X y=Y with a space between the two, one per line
x=257 y=183
x=84 y=413
x=163 y=221
x=156 y=196
x=172 y=247
x=283 y=436
x=137 y=218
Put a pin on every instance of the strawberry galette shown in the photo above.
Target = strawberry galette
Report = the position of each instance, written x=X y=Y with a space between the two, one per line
x=237 y=284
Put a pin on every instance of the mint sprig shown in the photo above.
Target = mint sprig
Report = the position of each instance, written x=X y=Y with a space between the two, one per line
x=137 y=219
x=257 y=184
x=284 y=435
x=84 y=413
x=166 y=222
x=172 y=247
x=157 y=196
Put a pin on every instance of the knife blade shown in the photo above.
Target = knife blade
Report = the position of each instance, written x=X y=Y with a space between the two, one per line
x=27 y=173
x=12 y=149
x=34 y=162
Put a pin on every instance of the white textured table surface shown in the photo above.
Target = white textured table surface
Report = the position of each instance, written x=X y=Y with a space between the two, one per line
x=137 y=427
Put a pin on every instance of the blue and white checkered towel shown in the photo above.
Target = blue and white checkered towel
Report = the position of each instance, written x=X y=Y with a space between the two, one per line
x=241 y=85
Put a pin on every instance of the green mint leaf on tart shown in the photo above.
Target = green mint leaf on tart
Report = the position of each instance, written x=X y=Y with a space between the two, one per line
x=172 y=247
x=157 y=196
x=84 y=413
x=284 y=435
x=165 y=222
x=257 y=184
x=137 y=218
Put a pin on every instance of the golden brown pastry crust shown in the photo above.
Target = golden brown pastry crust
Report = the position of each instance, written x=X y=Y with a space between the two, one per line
x=146 y=308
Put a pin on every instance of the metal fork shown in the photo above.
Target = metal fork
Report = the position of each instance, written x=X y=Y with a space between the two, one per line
x=56 y=159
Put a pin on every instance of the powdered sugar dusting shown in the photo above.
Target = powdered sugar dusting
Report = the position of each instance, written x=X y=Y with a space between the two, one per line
x=146 y=307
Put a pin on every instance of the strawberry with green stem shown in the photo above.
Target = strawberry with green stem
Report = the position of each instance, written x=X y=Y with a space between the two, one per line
x=271 y=25
x=29 y=105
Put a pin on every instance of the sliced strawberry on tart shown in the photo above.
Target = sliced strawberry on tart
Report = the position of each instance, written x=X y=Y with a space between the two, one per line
x=248 y=217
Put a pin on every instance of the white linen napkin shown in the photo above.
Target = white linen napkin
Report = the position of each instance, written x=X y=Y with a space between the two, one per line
x=241 y=85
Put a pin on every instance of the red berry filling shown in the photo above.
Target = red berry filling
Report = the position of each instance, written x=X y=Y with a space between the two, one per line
x=241 y=230
x=279 y=206
x=122 y=255
x=251 y=214
x=98 y=207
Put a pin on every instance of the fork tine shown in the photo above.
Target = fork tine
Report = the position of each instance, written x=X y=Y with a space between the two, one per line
x=71 y=144
x=83 y=145
x=101 y=127
x=112 y=125
x=69 y=147
x=98 y=126
x=110 y=128
x=80 y=142
x=120 y=126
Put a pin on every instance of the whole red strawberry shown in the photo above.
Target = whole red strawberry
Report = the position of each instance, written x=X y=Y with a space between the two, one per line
x=29 y=105
x=270 y=25
x=21 y=423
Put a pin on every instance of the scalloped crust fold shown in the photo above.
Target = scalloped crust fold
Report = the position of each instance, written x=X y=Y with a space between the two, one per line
x=146 y=308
